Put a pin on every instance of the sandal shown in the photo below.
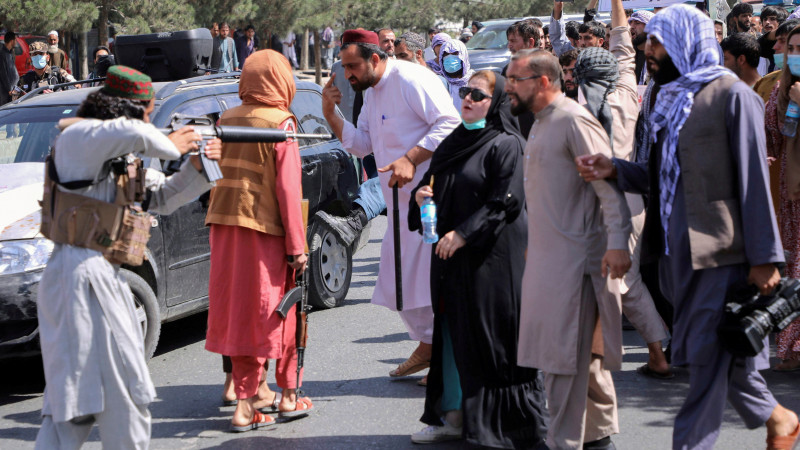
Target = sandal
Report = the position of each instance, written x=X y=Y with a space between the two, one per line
x=648 y=372
x=259 y=421
x=302 y=406
x=412 y=365
x=784 y=442
x=273 y=408
x=226 y=402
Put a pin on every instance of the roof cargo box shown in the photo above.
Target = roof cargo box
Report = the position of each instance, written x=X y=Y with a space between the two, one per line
x=166 y=56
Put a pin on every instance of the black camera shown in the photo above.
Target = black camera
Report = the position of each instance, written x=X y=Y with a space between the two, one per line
x=750 y=317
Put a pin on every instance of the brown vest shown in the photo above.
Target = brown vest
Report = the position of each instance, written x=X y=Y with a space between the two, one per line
x=710 y=180
x=246 y=196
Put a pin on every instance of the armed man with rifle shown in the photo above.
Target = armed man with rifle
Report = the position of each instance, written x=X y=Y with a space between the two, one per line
x=95 y=203
x=257 y=244
x=43 y=74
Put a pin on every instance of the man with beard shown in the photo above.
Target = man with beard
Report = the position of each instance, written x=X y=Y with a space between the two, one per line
x=410 y=47
x=771 y=18
x=741 y=14
x=386 y=41
x=638 y=21
x=579 y=238
x=593 y=34
x=607 y=80
x=710 y=222
x=402 y=135
x=522 y=35
x=567 y=62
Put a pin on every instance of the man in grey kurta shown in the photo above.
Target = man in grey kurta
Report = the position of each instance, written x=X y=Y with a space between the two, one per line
x=91 y=339
x=570 y=318
x=719 y=226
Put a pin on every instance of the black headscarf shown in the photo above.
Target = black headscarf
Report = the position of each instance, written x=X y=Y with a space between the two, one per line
x=462 y=143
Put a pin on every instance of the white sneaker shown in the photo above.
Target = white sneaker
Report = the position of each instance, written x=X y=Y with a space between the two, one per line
x=434 y=433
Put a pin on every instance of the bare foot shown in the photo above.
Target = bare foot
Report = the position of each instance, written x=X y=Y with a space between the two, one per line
x=657 y=361
x=244 y=412
x=266 y=396
x=228 y=394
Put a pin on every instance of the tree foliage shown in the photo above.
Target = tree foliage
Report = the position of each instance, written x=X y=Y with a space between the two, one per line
x=41 y=16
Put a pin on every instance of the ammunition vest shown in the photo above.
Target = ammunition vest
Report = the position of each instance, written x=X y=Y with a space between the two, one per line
x=118 y=230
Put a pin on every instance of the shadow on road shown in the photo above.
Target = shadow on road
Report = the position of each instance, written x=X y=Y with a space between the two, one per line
x=254 y=441
x=389 y=338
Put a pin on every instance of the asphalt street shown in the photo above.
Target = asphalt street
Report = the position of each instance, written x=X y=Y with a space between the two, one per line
x=350 y=353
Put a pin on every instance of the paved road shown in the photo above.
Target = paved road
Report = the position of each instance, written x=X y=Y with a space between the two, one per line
x=351 y=351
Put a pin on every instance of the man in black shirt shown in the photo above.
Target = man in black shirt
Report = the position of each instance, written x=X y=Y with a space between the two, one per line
x=771 y=18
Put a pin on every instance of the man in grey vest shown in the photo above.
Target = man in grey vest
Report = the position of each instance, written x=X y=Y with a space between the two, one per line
x=710 y=221
x=223 y=57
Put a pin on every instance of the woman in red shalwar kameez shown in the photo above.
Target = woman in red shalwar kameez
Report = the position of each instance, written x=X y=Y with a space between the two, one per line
x=256 y=223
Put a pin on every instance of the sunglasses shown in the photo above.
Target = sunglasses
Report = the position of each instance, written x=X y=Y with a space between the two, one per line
x=476 y=94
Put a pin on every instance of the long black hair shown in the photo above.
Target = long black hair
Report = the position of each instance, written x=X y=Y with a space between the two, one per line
x=99 y=105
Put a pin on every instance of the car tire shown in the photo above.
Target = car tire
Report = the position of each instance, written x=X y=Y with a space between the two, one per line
x=330 y=268
x=147 y=310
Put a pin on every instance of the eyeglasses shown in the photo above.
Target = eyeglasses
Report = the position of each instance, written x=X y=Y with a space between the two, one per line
x=515 y=80
x=476 y=94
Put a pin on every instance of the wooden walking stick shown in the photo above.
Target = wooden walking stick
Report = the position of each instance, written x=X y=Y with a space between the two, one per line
x=398 y=271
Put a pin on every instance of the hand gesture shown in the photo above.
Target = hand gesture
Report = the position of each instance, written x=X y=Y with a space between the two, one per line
x=402 y=171
x=794 y=92
x=765 y=276
x=615 y=263
x=298 y=263
x=423 y=193
x=331 y=95
x=595 y=167
x=185 y=139
x=448 y=244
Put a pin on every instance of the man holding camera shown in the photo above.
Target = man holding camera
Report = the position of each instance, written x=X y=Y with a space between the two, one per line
x=710 y=222
x=42 y=74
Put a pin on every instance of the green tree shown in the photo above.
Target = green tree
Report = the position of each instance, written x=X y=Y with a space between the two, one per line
x=41 y=16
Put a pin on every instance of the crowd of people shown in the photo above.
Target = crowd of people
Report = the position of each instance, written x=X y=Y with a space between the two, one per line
x=563 y=200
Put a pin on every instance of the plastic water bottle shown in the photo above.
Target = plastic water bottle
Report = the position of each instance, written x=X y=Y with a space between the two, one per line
x=790 y=122
x=427 y=213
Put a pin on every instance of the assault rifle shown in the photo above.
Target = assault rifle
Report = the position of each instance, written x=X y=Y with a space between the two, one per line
x=205 y=127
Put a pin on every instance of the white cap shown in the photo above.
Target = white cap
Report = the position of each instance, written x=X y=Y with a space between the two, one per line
x=53 y=32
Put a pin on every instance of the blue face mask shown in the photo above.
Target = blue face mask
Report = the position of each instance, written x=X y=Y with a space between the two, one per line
x=778 y=58
x=38 y=61
x=475 y=125
x=793 y=63
x=451 y=63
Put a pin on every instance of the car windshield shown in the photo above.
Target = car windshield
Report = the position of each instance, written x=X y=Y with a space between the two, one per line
x=489 y=37
x=26 y=134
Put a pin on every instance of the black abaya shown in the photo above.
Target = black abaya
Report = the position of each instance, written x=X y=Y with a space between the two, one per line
x=481 y=196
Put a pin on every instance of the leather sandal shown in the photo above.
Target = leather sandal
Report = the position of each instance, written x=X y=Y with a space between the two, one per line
x=259 y=421
x=412 y=365
x=301 y=408
x=271 y=408
x=784 y=442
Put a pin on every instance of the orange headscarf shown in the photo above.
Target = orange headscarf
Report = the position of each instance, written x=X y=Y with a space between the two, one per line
x=267 y=80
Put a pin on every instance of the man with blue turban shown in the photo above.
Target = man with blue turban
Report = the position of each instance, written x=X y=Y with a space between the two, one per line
x=710 y=221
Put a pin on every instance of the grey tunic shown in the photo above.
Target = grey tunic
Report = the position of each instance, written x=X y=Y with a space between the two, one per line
x=8 y=74
x=79 y=283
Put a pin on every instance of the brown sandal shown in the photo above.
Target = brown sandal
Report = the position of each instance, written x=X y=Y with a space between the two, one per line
x=412 y=365
x=784 y=442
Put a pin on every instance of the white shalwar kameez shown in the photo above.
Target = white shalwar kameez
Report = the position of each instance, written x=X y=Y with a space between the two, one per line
x=92 y=344
x=408 y=107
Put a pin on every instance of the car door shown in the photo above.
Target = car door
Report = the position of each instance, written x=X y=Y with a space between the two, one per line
x=186 y=248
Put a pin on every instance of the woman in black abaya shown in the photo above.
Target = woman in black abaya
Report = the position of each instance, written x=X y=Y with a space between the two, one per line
x=476 y=275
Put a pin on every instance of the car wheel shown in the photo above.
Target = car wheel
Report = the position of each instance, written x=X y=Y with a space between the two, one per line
x=147 y=310
x=330 y=267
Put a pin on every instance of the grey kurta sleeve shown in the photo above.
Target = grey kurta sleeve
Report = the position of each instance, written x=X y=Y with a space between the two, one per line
x=170 y=193
x=745 y=121
x=586 y=136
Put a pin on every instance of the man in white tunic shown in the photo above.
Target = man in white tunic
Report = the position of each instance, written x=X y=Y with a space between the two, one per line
x=92 y=344
x=407 y=112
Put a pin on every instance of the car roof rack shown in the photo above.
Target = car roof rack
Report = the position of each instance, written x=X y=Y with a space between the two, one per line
x=41 y=89
x=170 y=88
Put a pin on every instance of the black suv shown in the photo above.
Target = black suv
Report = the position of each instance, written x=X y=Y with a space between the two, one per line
x=173 y=282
